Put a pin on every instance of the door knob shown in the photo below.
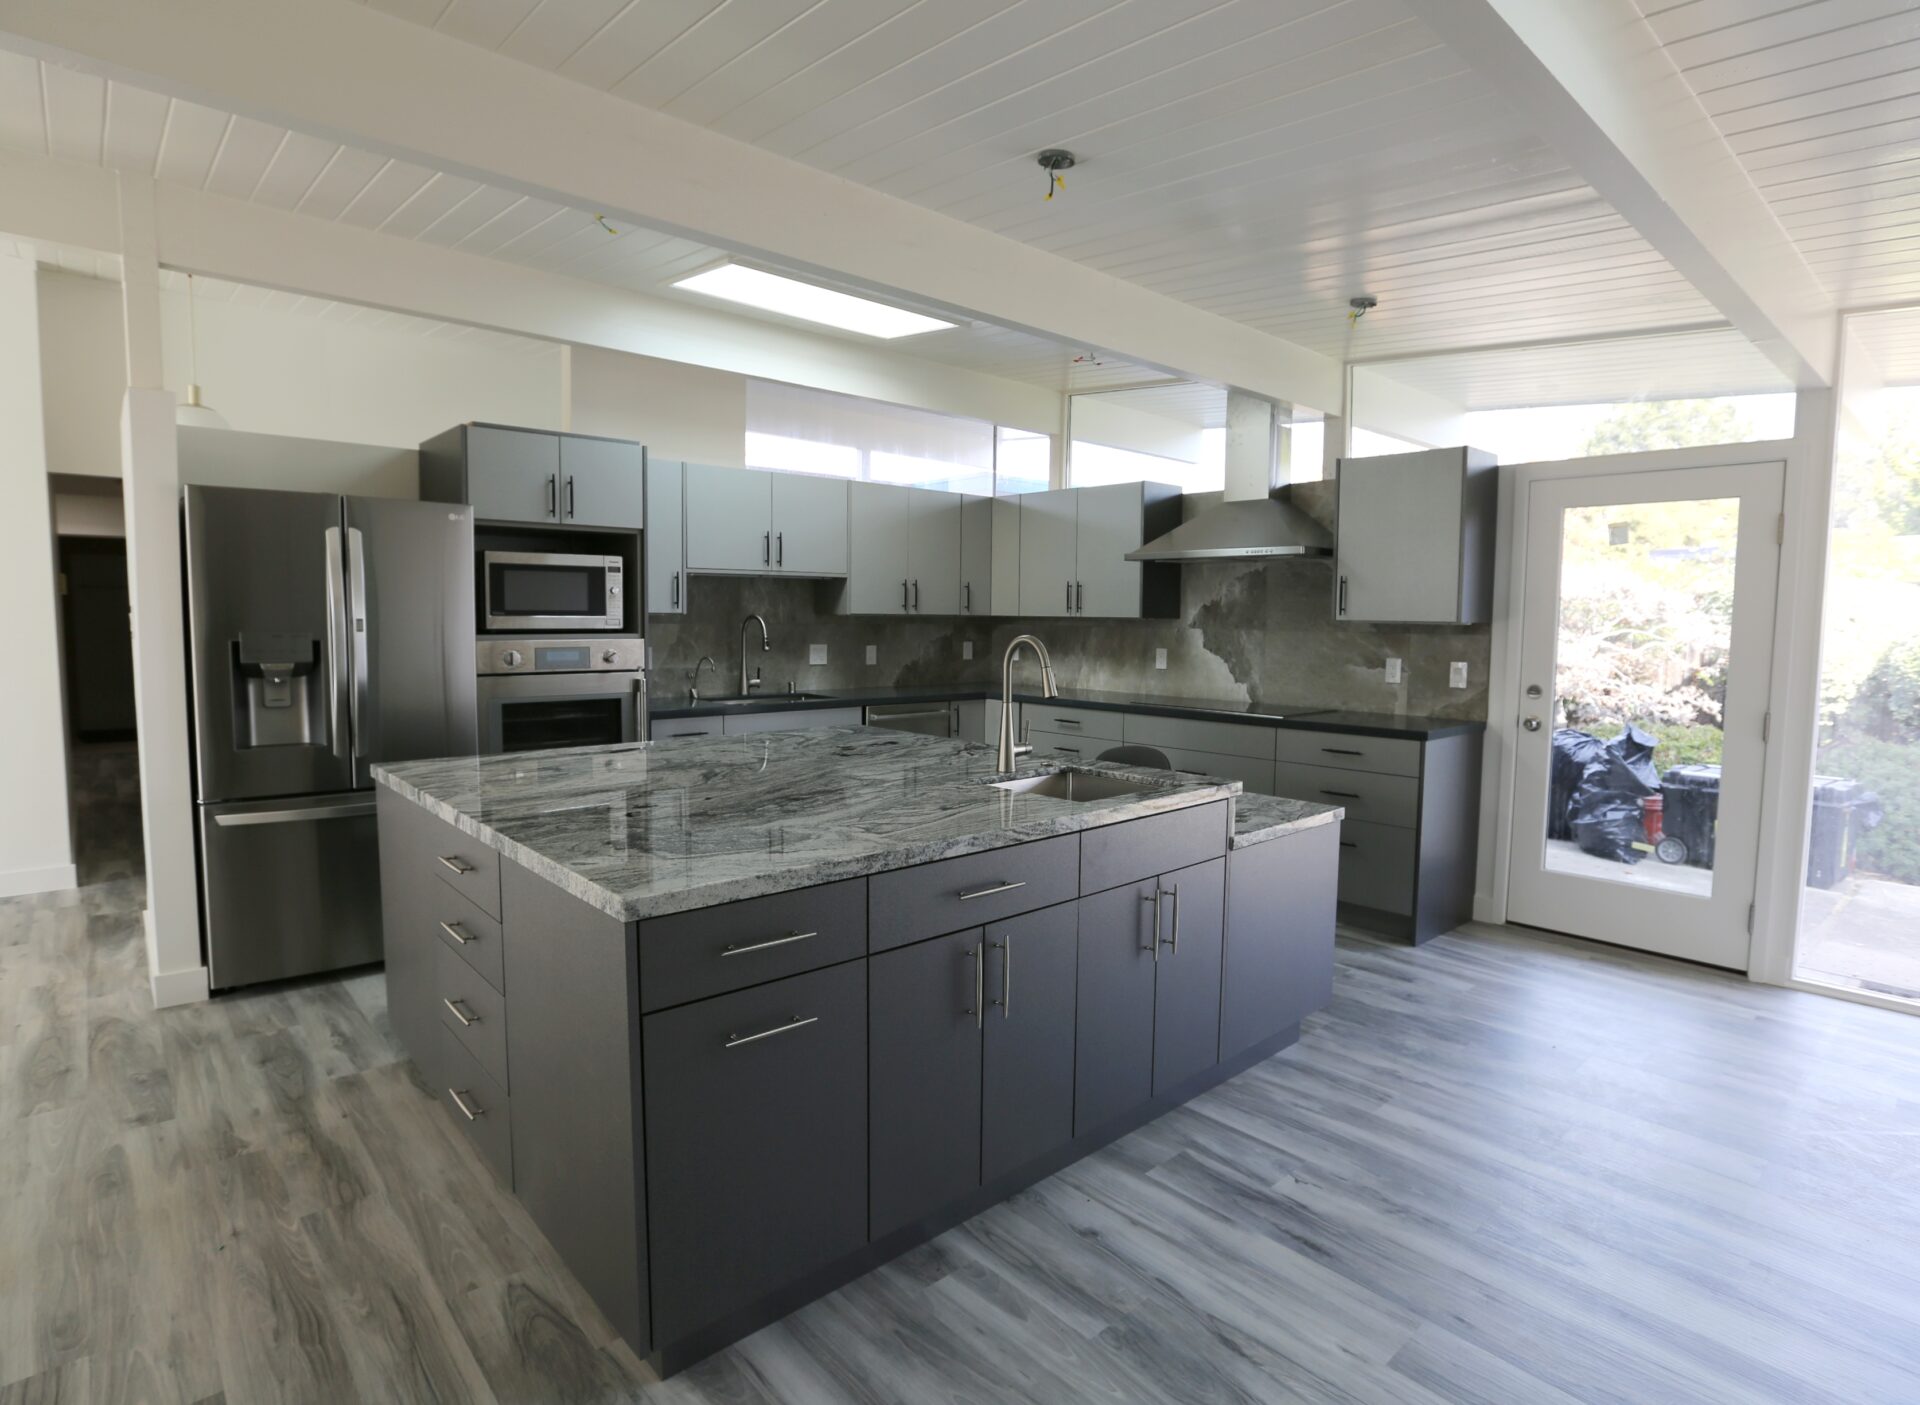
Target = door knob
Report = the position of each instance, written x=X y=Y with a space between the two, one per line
x=1532 y=724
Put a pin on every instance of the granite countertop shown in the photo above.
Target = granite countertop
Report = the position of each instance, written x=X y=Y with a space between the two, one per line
x=1258 y=818
x=643 y=830
x=1258 y=713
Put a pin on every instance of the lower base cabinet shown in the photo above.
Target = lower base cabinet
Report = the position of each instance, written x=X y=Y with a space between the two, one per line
x=1027 y=1070
x=1186 y=978
x=1278 y=965
x=756 y=1134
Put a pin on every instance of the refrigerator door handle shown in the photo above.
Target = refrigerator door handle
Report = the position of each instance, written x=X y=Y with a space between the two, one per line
x=357 y=637
x=336 y=626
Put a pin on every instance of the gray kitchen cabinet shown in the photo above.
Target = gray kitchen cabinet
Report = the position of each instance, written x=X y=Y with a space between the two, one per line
x=933 y=543
x=879 y=581
x=1073 y=548
x=799 y=719
x=989 y=556
x=729 y=514
x=1278 y=960
x=756 y=1135
x=508 y=475
x=1254 y=776
x=1415 y=538
x=1026 y=1077
x=1049 y=534
x=666 y=544
x=661 y=728
x=1186 y=989
x=970 y=719
x=925 y=1014
x=809 y=524
x=407 y=921
x=1109 y=524
x=1113 y=1029
x=602 y=482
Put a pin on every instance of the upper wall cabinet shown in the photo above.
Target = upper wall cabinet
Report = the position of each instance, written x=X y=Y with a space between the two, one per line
x=530 y=475
x=666 y=537
x=989 y=556
x=749 y=522
x=1415 y=538
x=1073 y=552
x=904 y=555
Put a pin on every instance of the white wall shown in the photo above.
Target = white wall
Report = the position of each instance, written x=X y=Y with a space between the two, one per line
x=235 y=458
x=83 y=372
x=678 y=411
x=88 y=515
x=36 y=847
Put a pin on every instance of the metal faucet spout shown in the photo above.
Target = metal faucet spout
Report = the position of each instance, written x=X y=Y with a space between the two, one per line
x=1048 y=689
x=747 y=685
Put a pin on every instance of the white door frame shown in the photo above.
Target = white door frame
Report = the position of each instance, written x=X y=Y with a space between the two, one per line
x=1786 y=783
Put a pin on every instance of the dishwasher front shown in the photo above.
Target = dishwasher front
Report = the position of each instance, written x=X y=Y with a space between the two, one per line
x=932 y=719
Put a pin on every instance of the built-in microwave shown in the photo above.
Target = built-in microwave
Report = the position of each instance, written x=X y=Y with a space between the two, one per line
x=549 y=590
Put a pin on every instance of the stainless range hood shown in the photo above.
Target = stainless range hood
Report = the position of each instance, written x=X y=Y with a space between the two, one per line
x=1254 y=522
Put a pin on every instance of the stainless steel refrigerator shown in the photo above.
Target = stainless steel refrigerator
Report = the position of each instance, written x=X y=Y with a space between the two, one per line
x=326 y=633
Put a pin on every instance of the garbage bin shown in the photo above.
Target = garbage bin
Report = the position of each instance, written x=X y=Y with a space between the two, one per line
x=1692 y=807
x=1843 y=810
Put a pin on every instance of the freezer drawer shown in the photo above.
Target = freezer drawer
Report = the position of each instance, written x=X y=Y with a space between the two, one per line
x=290 y=887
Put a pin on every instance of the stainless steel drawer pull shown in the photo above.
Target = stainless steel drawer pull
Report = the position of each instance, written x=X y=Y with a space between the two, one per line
x=978 y=953
x=1005 y=1002
x=457 y=932
x=1069 y=722
x=1070 y=750
x=1176 y=920
x=762 y=946
x=456 y=863
x=474 y=1112
x=1154 y=898
x=1342 y=794
x=989 y=892
x=1342 y=751
x=795 y=1023
x=460 y=1014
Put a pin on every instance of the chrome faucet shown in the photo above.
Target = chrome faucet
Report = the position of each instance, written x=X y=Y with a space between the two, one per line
x=693 y=675
x=1048 y=689
x=747 y=685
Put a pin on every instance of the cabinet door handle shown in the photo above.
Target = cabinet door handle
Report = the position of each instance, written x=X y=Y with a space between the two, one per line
x=1154 y=898
x=553 y=495
x=966 y=597
x=1343 y=595
x=1005 y=1002
x=916 y=595
x=904 y=597
x=474 y=1113
x=570 y=513
x=1068 y=722
x=1069 y=597
x=1174 y=945
x=1001 y=887
x=1069 y=750
x=738 y=950
x=1080 y=597
x=979 y=1010
x=1348 y=844
x=460 y=1014
x=457 y=864
x=456 y=931
x=1342 y=751
x=676 y=588
x=735 y=1041
x=1341 y=794
x=779 y=548
x=766 y=548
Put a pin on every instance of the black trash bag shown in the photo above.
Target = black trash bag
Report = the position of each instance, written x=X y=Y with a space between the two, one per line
x=1607 y=820
x=1576 y=754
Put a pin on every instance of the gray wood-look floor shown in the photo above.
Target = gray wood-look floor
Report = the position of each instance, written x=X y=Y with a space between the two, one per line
x=1502 y=1168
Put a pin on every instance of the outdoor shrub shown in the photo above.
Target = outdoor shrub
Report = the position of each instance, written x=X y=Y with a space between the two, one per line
x=1891 y=771
x=1686 y=744
x=1888 y=703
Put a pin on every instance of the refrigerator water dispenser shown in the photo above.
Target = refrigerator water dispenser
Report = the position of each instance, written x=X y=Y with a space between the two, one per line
x=278 y=699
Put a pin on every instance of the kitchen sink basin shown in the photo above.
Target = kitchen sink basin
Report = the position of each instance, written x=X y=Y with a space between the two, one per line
x=1075 y=785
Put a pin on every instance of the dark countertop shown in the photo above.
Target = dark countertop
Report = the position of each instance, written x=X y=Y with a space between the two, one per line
x=1266 y=714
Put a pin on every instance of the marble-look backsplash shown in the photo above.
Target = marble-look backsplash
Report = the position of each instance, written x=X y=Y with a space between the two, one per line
x=1247 y=631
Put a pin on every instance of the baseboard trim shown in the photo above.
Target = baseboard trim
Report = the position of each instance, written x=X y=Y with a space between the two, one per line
x=188 y=987
x=22 y=882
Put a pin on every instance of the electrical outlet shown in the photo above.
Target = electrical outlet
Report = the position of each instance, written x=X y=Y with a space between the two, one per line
x=1456 y=675
x=816 y=654
x=1393 y=670
x=966 y=648
x=1159 y=658
x=873 y=656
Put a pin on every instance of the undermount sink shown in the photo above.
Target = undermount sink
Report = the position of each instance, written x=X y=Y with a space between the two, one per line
x=1075 y=785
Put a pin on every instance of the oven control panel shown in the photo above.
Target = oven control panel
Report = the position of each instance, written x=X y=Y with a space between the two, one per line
x=571 y=654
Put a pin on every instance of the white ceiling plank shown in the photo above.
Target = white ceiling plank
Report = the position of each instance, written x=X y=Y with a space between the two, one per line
x=246 y=151
x=390 y=188
x=295 y=167
x=758 y=68
x=485 y=204
x=76 y=114
x=439 y=196
x=1788 y=25
x=485 y=22
x=556 y=29
x=709 y=44
x=631 y=37
x=192 y=140
x=136 y=121
x=1766 y=60
x=516 y=222
x=23 y=111
x=345 y=72
x=1596 y=83
x=346 y=174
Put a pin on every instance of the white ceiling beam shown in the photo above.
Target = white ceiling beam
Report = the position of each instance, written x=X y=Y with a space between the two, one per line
x=348 y=72
x=59 y=202
x=1593 y=78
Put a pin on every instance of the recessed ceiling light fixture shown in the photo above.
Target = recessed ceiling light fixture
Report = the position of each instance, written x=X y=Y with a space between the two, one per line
x=789 y=297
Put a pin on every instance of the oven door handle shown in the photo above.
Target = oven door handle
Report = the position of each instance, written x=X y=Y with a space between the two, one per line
x=642 y=723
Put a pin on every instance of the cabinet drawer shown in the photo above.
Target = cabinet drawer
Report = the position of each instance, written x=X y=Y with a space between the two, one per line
x=1393 y=756
x=1073 y=721
x=473 y=1011
x=1253 y=773
x=911 y=903
x=1377 y=864
x=473 y=936
x=1194 y=734
x=1367 y=795
x=663 y=727
x=691 y=955
x=466 y=865
x=479 y=1106
x=758 y=1144
x=1069 y=746
x=1136 y=849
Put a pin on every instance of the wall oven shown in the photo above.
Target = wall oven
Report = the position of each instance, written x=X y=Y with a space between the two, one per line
x=551 y=590
x=542 y=694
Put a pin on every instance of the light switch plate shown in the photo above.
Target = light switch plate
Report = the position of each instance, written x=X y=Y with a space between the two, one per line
x=1393 y=670
x=966 y=648
x=1457 y=675
x=816 y=653
x=1159 y=658
x=873 y=656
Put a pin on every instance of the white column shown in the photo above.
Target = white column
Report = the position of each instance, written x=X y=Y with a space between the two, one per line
x=36 y=842
x=150 y=469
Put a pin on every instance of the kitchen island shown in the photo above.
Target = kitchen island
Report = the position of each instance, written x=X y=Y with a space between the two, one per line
x=740 y=1018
